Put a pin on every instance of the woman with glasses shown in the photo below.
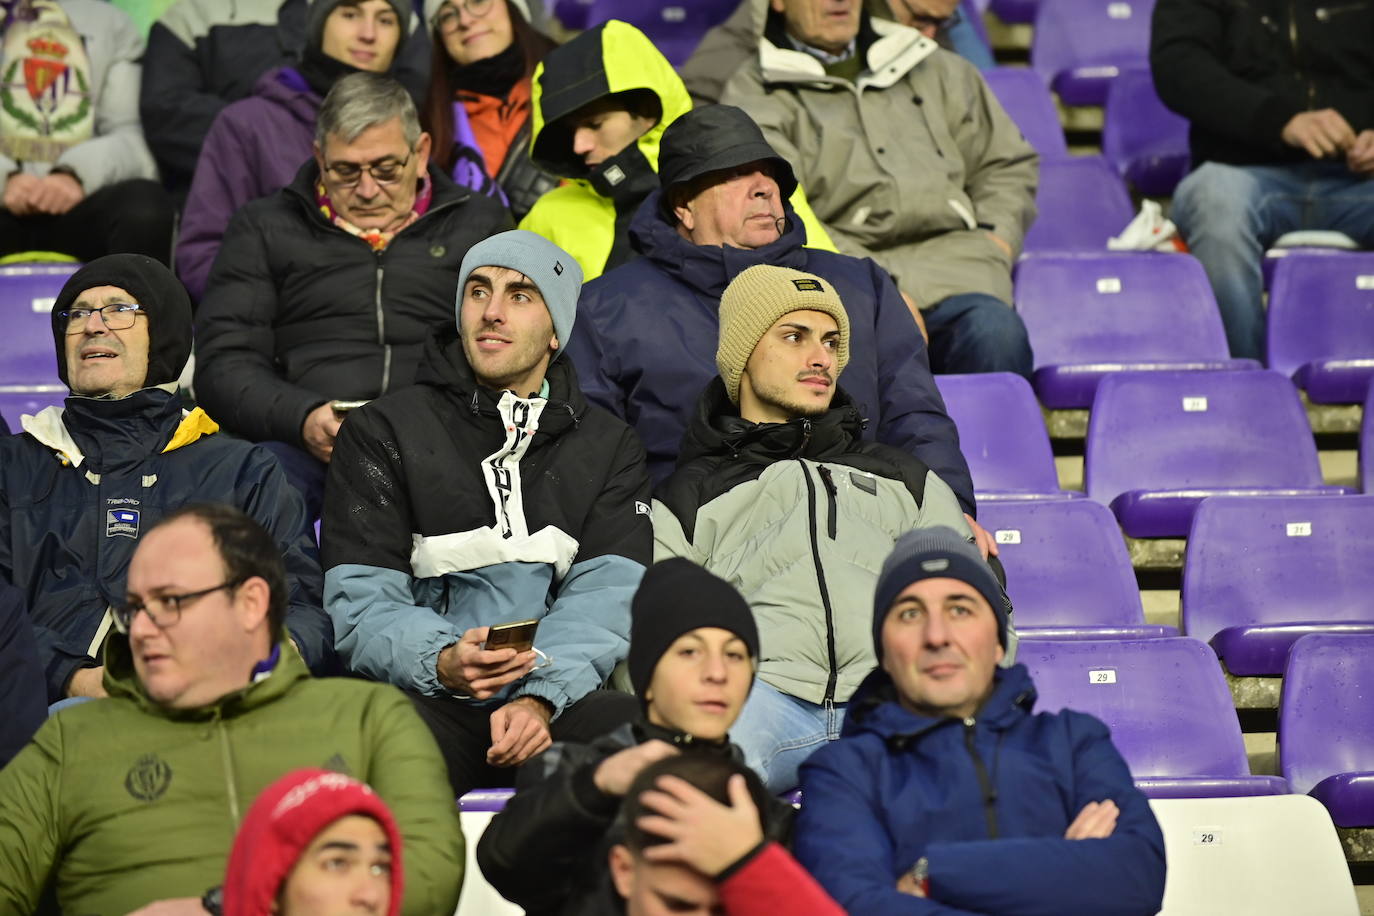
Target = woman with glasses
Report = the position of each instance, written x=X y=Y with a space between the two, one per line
x=478 y=105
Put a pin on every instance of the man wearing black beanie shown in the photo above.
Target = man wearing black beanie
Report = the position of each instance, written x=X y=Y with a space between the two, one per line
x=693 y=651
x=85 y=480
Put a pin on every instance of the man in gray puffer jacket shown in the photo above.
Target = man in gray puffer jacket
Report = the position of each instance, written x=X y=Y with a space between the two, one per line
x=776 y=492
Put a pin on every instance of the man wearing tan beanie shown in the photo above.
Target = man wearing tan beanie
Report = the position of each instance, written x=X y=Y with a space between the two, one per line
x=778 y=493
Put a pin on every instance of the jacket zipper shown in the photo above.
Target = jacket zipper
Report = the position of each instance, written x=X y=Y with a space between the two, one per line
x=831 y=493
x=820 y=581
x=984 y=782
x=1297 y=58
x=381 y=328
x=229 y=776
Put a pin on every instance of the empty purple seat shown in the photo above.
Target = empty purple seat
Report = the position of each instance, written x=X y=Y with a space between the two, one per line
x=1080 y=46
x=27 y=292
x=674 y=26
x=1068 y=574
x=1260 y=572
x=1024 y=96
x=1167 y=705
x=1002 y=434
x=1015 y=12
x=1321 y=324
x=1160 y=442
x=1090 y=315
x=1145 y=142
x=1326 y=729
x=485 y=799
x=1082 y=202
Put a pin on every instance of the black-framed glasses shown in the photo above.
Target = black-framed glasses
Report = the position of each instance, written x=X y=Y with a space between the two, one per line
x=117 y=317
x=446 y=20
x=921 y=21
x=383 y=171
x=163 y=610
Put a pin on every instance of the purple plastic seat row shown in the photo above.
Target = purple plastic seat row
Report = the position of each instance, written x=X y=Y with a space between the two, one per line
x=485 y=799
x=1160 y=442
x=674 y=26
x=1093 y=314
x=1145 y=142
x=1068 y=573
x=1080 y=46
x=1081 y=202
x=1025 y=98
x=1262 y=572
x=27 y=292
x=1167 y=705
x=1321 y=324
x=29 y=400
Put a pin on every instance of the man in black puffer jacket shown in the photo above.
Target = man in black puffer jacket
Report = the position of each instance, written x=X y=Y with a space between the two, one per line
x=327 y=290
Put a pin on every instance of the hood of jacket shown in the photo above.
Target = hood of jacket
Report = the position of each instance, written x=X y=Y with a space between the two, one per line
x=285 y=87
x=874 y=707
x=108 y=434
x=708 y=269
x=613 y=57
x=717 y=430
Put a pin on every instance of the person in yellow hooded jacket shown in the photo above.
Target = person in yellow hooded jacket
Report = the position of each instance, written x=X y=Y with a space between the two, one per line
x=600 y=105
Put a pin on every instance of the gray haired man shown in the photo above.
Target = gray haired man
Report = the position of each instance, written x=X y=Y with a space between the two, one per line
x=323 y=293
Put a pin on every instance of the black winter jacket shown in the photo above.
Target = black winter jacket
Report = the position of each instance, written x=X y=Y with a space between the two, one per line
x=1239 y=70
x=547 y=850
x=300 y=312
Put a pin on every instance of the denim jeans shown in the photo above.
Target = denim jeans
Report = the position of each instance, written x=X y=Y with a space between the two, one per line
x=1229 y=215
x=975 y=332
x=305 y=472
x=777 y=732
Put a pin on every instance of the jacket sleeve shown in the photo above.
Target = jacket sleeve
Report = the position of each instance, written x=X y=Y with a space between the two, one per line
x=1002 y=169
x=769 y=882
x=177 y=112
x=542 y=842
x=237 y=381
x=587 y=630
x=407 y=771
x=842 y=838
x=1187 y=47
x=23 y=701
x=30 y=821
x=670 y=540
x=913 y=415
x=589 y=358
x=1122 y=874
x=117 y=152
x=379 y=630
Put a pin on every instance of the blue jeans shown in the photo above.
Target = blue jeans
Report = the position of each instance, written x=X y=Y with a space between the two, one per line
x=975 y=332
x=305 y=472
x=777 y=732
x=1229 y=215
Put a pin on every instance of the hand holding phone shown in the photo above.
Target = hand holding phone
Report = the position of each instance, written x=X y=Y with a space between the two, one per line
x=471 y=669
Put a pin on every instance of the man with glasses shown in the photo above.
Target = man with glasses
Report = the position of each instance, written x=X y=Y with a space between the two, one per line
x=86 y=481
x=324 y=292
x=134 y=800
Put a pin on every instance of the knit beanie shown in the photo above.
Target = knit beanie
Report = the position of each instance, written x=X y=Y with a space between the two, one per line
x=283 y=822
x=432 y=9
x=931 y=553
x=553 y=270
x=676 y=597
x=756 y=299
x=152 y=286
x=319 y=11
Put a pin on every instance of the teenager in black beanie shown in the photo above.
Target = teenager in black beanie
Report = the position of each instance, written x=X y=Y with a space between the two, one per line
x=693 y=651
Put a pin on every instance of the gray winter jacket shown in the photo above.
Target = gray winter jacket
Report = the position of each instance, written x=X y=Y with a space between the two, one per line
x=912 y=166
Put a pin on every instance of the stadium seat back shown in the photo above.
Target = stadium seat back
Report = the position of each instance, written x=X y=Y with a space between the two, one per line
x=1080 y=46
x=1145 y=142
x=1321 y=323
x=1001 y=432
x=1081 y=203
x=27 y=292
x=1024 y=96
x=15 y=404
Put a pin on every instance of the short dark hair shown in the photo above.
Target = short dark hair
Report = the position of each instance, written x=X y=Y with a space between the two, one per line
x=708 y=770
x=246 y=550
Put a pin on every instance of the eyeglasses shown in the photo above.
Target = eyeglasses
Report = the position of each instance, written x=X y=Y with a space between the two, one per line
x=115 y=317
x=446 y=20
x=163 y=610
x=383 y=171
x=920 y=21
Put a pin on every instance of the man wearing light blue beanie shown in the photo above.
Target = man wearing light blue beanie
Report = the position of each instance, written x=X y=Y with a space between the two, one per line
x=491 y=493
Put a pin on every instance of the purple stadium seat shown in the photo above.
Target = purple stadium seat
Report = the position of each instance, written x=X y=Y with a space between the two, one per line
x=1167 y=705
x=1068 y=574
x=16 y=403
x=1091 y=315
x=27 y=292
x=1321 y=324
x=1081 y=204
x=1080 y=46
x=1016 y=12
x=674 y=26
x=1002 y=434
x=1326 y=731
x=485 y=800
x=1145 y=142
x=1262 y=571
x=1024 y=96
x=1367 y=443
x=1160 y=442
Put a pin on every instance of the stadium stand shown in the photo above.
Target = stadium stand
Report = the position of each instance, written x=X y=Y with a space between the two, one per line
x=1081 y=202
x=675 y=27
x=1321 y=324
x=1090 y=315
x=1068 y=574
x=1145 y=142
x=1024 y=96
x=1260 y=572
x=1080 y=46
x=1160 y=442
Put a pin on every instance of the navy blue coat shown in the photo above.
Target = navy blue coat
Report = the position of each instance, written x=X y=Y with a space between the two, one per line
x=23 y=698
x=897 y=786
x=645 y=346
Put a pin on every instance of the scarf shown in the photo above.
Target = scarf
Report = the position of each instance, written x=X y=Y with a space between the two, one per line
x=377 y=239
x=45 y=88
x=493 y=75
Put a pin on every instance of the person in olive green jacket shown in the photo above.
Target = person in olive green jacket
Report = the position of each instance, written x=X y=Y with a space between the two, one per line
x=134 y=799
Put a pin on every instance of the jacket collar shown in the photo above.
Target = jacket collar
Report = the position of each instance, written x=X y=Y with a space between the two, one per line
x=107 y=433
x=718 y=430
x=891 y=51
x=874 y=707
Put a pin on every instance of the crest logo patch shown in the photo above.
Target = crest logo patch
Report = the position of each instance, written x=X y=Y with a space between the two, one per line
x=642 y=508
x=121 y=523
x=148 y=779
x=808 y=286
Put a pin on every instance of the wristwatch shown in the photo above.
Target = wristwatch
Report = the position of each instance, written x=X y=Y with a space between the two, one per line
x=213 y=901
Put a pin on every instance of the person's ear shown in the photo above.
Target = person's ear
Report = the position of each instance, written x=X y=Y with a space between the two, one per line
x=1001 y=653
x=251 y=602
x=622 y=870
x=777 y=5
x=686 y=217
x=422 y=148
x=553 y=343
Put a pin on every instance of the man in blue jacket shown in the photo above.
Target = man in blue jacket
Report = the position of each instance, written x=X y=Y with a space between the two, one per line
x=651 y=327
x=945 y=794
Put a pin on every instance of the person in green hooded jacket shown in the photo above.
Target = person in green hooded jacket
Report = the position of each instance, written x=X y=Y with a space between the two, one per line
x=135 y=799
